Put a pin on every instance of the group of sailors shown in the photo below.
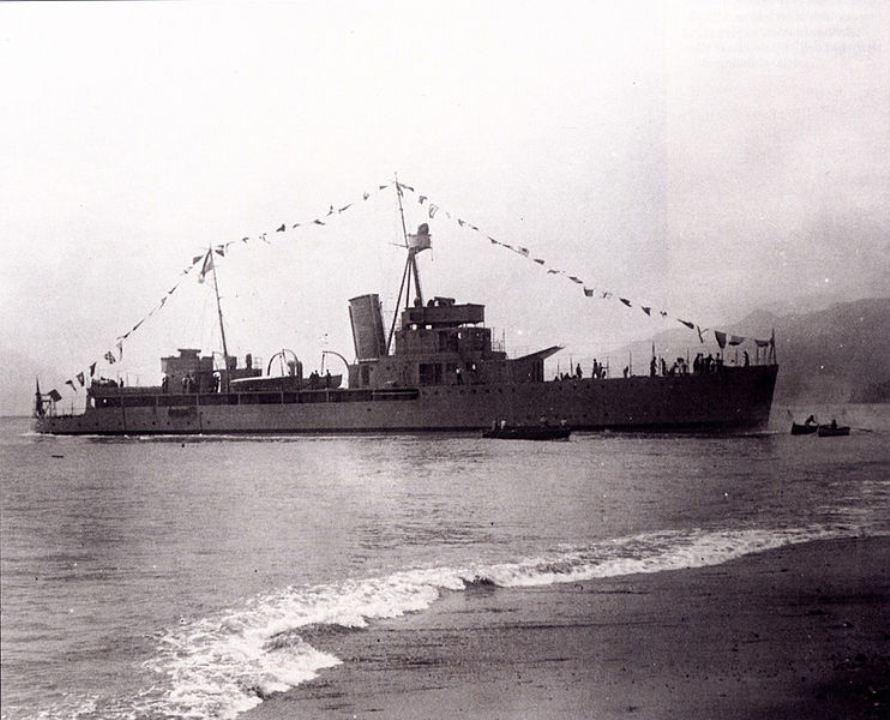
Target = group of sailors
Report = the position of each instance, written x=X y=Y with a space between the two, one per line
x=701 y=365
x=680 y=367
x=599 y=372
x=658 y=367
x=190 y=385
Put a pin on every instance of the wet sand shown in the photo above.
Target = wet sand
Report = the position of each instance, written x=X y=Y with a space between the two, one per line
x=800 y=632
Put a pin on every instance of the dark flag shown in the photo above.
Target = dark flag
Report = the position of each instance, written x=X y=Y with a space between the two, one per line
x=460 y=222
x=762 y=343
x=721 y=338
x=344 y=208
x=539 y=261
x=625 y=301
x=331 y=210
x=736 y=339
x=493 y=241
x=170 y=291
x=71 y=383
x=245 y=239
x=606 y=295
x=588 y=292
x=220 y=250
x=663 y=313
x=647 y=310
x=92 y=370
x=523 y=251
x=433 y=210
x=382 y=187
x=407 y=187
x=295 y=226
x=196 y=259
x=54 y=395
x=282 y=228
x=551 y=271
x=120 y=343
x=318 y=222
x=701 y=336
x=688 y=324
x=206 y=267
x=81 y=379
x=366 y=195
x=109 y=356
x=421 y=199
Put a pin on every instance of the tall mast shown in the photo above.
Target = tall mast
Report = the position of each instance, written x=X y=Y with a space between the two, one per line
x=411 y=254
x=222 y=327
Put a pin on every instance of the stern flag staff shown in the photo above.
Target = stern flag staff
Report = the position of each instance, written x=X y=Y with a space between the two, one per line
x=38 y=399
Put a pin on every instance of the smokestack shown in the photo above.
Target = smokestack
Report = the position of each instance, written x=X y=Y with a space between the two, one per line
x=367 y=327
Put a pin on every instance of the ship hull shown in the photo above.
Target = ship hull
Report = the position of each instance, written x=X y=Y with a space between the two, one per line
x=737 y=398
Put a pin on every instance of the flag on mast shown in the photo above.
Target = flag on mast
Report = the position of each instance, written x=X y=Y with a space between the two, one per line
x=207 y=266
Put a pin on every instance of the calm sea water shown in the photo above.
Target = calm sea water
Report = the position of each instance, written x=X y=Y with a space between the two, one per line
x=156 y=578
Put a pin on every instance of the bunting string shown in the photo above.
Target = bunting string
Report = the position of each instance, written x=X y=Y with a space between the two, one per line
x=205 y=262
x=589 y=290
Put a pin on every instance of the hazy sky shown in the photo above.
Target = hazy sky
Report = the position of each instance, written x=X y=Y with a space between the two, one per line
x=703 y=157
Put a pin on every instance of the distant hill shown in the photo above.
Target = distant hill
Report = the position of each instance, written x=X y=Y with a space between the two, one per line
x=838 y=354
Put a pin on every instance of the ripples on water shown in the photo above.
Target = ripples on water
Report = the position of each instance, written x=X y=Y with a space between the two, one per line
x=147 y=577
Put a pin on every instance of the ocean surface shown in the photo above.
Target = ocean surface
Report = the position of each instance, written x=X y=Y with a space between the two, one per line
x=168 y=578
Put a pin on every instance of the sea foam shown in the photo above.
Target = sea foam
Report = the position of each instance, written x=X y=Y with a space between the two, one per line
x=218 y=666
x=228 y=662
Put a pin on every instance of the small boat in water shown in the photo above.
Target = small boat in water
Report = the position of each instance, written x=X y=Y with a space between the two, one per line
x=833 y=430
x=808 y=427
x=805 y=429
x=530 y=432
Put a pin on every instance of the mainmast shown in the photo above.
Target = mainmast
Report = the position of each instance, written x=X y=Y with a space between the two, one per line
x=410 y=269
x=222 y=327
x=412 y=263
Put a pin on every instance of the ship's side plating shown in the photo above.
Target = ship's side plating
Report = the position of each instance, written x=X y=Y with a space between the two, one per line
x=737 y=398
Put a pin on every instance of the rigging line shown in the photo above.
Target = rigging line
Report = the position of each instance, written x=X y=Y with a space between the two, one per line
x=615 y=295
x=158 y=306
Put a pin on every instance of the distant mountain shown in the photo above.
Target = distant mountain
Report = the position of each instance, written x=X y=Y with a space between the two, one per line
x=838 y=354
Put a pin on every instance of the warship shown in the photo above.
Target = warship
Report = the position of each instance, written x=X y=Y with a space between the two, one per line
x=439 y=370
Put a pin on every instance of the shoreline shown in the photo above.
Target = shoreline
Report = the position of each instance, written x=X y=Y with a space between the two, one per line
x=799 y=631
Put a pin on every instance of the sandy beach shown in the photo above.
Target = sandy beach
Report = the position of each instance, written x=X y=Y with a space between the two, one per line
x=799 y=632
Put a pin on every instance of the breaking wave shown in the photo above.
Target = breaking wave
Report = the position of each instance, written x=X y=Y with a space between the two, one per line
x=219 y=666
x=226 y=663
